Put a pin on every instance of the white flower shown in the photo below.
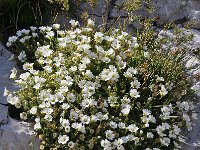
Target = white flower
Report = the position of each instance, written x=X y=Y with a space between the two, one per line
x=33 y=28
x=132 y=128
x=13 y=73
x=23 y=116
x=105 y=74
x=64 y=122
x=126 y=110
x=160 y=130
x=73 y=68
x=63 y=139
x=24 y=31
x=87 y=102
x=42 y=28
x=194 y=116
x=166 y=111
x=85 y=119
x=109 y=74
x=163 y=91
x=146 y=54
x=121 y=147
x=28 y=66
x=90 y=22
x=150 y=135
x=44 y=51
x=160 y=79
x=114 y=76
x=79 y=126
x=118 y=142
x=48 y=69
x=89 y=74
x=8 y=44
x=73 y=115
x=85 y=39
x=37 y=86
x=176 y=145
x=134 y=93
x=22 y=40
x=6 y=92
x=109 y=38
x=135 y=84
x=37 y=126
x=24 y=76
x=50 y=34
x=34 y=34
x=152 y=119
x=113 y=124
x=121 y=125
x=146 y=112
x=47 y=110
x=85 y=60
x=130 y=72
x=105 y=143
x=110 y=135
x=174 y=132
x=12 y=99
x=166 y=125
x=165 y=141
x=115 y=44
x=98 y=36
x=71 y=97
x=186 y=117
x=33 y=110
x=177 y=130
x=71 y=144
x=125 y=101
x=48 y=117
x=84 y=47
x=39 y=79
x=65 y=106
x=12 y=39
x=185 y=105
x=56 y=26
x=67 y=82
x=73 y=23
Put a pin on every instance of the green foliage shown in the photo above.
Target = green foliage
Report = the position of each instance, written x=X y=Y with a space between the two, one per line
x=63 y=3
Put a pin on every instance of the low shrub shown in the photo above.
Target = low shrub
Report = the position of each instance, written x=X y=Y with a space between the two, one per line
x=87 y=89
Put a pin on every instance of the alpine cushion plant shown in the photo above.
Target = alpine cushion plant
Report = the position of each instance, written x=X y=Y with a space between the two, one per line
x=87 y=89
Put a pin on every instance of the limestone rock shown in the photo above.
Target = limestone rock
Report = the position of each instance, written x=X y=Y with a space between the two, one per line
x=5 y=70
x=14 y=135
x=178 y=11
x=17 y=135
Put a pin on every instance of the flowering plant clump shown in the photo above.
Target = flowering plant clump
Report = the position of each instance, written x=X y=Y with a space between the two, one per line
x=86 y=89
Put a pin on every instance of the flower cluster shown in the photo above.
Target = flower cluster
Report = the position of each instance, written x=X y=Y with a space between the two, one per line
x=87 y=89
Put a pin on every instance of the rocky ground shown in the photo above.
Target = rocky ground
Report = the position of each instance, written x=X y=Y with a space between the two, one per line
x=14 y=135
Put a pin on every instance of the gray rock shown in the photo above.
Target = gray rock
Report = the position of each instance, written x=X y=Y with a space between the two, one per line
x=17 y=136
x=178 y=11
x=14 y=135
x=5 y=71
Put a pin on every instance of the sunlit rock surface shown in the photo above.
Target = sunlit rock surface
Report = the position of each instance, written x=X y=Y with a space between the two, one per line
x=17 y=135
x=14 y=135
